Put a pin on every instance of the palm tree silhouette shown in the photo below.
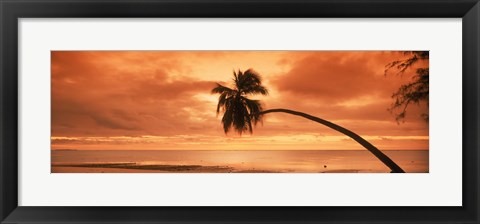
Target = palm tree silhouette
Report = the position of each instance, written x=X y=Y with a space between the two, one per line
x=241 y=113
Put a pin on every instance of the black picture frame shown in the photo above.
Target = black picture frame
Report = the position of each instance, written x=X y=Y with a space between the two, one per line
x=12 y=10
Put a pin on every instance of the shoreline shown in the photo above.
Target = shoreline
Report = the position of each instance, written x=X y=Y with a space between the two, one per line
x=158 y=168
x=138 y=168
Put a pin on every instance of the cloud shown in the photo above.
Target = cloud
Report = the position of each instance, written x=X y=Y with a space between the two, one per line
x=338 y=76
x=104 y=95
x=95 y=93
x=112 y=122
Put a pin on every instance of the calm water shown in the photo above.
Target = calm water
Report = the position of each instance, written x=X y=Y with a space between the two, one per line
x=343 y=161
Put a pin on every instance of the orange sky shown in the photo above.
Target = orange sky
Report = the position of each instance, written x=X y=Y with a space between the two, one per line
x=162 y=100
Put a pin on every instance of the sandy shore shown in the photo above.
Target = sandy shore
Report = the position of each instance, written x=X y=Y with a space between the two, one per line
x=56 y=169
x=132 y=167
x=208 y=161
x=120 y=170
x=138 y=168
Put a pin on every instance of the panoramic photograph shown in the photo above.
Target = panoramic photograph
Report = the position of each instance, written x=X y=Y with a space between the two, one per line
x=239 y=111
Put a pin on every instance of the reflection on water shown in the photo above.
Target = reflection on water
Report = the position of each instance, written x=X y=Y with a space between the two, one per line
x=284 y=161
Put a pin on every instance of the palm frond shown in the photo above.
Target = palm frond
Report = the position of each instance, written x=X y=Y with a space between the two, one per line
x=221 y=89
x=252 y=76
x=254 y=108
x=255 y=89
x=239 y=112
x=222 y=100
x=227 y=119
x=249 y=77
x=238 y=116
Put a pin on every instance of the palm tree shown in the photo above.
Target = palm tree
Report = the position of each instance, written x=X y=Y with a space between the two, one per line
x=239 y=112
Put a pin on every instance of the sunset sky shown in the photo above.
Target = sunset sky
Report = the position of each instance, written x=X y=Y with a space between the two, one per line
x=162 y=100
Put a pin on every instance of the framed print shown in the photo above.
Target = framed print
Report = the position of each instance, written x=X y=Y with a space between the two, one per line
x=194 y=145
x=246 y=112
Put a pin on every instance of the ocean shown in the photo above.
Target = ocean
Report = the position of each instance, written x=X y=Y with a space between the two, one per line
x=233 y=161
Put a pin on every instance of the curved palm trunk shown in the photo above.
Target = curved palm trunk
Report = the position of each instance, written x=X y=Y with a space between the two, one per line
x=379 y=154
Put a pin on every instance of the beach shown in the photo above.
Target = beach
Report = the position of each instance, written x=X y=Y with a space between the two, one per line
x=232 y=161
